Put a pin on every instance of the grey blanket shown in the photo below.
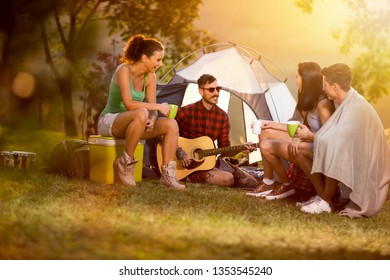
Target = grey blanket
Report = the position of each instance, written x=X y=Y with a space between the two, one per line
x=351 y=147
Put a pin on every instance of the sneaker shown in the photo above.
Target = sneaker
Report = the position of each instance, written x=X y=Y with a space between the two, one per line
x=301 y=204
x=262 y=189
x=168 y=176
x=317 y=206
x=281 y=191
x=124 y=170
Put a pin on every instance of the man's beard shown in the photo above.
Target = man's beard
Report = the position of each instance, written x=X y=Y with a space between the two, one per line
x=208 y=101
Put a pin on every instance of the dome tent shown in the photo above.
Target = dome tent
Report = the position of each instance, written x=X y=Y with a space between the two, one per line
x=249 y=89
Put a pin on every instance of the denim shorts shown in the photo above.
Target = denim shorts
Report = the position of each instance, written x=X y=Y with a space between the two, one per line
x=105 y=124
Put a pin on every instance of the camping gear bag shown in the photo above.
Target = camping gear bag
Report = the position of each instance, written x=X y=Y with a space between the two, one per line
x=71 y=158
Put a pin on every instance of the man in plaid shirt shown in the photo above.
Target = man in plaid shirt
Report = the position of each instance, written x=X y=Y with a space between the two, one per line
x=205 y=118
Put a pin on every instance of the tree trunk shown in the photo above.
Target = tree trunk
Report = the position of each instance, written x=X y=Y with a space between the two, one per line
x=5 y=67
x=6 y=115
x=69 y=119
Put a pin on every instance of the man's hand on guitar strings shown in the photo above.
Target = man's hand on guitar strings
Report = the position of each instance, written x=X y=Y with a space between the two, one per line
x=182 y=156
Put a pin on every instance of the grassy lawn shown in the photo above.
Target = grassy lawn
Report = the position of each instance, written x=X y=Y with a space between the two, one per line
x=48 y=216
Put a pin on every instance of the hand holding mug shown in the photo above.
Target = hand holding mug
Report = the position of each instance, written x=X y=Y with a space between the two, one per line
x=304 y=133
x=256 y=126
x=292 y=127
x=164 y=109
x=172 y=111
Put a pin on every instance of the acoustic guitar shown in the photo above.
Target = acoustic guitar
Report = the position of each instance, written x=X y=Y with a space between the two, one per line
x=203 y=153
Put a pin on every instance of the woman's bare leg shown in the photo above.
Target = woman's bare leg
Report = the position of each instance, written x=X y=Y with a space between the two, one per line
x=272 y=151
x=271 y=134
x=130 y=125
x=169 y=130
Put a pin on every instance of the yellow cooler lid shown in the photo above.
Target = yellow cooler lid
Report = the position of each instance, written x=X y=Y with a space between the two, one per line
x=105 y=140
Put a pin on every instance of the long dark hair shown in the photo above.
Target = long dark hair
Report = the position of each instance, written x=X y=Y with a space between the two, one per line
x=312 y=89
x=138 y=45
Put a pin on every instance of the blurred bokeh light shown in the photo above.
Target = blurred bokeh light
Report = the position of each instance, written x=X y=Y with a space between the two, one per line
x=24 y=85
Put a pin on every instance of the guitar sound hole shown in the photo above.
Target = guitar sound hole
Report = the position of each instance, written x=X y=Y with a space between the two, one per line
x=198 y=154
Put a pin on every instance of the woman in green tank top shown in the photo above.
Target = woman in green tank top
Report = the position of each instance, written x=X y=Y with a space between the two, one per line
x=131 y=110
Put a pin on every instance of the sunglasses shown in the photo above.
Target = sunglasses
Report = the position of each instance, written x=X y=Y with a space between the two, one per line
x=211 y=89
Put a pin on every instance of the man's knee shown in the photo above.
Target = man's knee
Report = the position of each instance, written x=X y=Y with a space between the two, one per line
x=227 y=179
x=220 y=178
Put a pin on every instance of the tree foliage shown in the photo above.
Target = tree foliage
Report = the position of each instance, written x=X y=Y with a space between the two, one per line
x=19 y=45
x=368 y=31
x=171 y=21
x=70 y=29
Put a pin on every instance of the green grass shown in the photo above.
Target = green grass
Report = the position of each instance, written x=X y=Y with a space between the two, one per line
x=48 y=216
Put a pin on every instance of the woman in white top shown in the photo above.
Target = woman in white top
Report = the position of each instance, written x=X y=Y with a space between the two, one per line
x=313 y=109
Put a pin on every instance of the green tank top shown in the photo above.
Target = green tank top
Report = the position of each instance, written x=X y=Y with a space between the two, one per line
x=115 y=103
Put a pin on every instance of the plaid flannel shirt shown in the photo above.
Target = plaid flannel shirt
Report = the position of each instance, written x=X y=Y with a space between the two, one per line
x=194 y=120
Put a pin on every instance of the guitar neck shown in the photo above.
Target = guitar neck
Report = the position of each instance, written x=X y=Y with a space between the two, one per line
x=228 y=150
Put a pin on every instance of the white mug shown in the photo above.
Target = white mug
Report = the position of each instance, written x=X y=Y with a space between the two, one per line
x=256 y=126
